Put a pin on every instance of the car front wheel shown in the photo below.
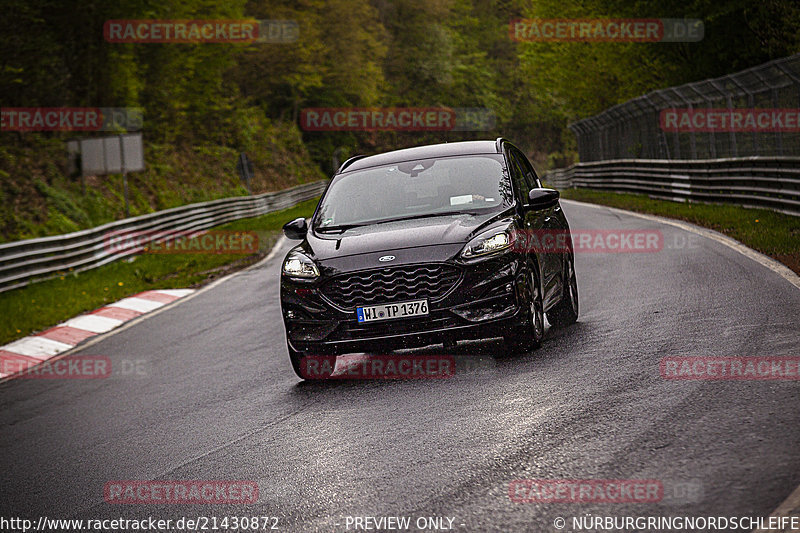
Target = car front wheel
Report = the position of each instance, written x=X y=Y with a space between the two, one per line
x=529 y=335
x=566 y=311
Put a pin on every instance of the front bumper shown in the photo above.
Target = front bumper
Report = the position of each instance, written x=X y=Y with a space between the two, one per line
x=484 y=303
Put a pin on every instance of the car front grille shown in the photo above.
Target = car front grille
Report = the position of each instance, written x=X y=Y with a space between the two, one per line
x=392 y=284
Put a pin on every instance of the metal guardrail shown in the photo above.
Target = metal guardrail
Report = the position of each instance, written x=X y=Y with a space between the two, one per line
x=764 y=182
x=22 y=262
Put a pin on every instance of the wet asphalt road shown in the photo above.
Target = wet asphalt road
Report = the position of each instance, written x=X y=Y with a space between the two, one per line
x=215 y=398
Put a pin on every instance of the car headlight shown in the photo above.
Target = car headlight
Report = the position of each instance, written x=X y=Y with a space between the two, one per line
x=486 y=244
x=298 y=265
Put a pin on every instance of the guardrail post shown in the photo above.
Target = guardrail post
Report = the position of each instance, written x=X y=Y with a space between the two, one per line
x=124 y=179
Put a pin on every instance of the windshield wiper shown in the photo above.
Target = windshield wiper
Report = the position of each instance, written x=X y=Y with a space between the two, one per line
x=422 y=215
x=341 y=227
x=430 y=215
x=345 y=227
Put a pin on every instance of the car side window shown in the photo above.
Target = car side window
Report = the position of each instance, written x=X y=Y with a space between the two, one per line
x=521 y=186
x=530 y=173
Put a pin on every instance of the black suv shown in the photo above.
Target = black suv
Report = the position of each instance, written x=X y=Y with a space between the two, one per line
x=417 y=246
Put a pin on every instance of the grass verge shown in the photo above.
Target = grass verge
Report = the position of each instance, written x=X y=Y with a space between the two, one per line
x=42 y=305
x=773 y=234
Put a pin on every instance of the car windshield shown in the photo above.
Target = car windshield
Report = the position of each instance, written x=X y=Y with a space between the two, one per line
x=413 y=189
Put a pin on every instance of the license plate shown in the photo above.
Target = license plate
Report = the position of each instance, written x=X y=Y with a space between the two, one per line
x=371 y=313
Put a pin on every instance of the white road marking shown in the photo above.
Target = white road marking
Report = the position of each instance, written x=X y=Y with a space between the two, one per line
x=38 y=347
x=180 y=293
x=93 y=323
x=137 y=304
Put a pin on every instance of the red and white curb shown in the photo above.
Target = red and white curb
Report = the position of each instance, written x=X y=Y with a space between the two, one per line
x=30 y=351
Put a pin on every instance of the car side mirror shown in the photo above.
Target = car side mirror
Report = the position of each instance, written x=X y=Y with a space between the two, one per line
x=296 y=229
x=542 y=198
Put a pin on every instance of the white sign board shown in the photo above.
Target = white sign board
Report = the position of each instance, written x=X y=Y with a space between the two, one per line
x=133 y=151
x=112 y=155
x=92 y=158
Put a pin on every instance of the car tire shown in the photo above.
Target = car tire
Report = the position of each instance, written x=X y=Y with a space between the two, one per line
x=565 y=312
x=296 y=358
x=528 y=337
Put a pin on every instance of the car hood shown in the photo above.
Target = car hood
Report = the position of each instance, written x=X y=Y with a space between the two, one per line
x=455 y=229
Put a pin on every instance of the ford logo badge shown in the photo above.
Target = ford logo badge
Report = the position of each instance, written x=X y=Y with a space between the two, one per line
x=386 y=258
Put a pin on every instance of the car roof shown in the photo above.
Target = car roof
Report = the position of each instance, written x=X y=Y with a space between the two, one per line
x=421 y=152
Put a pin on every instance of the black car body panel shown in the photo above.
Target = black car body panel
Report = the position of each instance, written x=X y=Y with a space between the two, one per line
x=402 y=234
